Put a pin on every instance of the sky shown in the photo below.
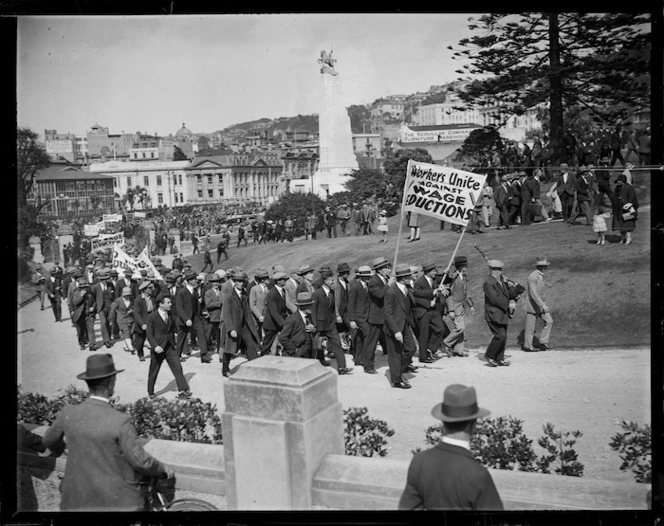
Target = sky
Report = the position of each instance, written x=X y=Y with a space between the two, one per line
x=152 y=73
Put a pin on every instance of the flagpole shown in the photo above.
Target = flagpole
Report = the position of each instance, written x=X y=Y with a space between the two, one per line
x=403 y=204
x=463 y=231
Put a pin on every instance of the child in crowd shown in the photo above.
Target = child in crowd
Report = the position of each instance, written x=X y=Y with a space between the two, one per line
x=599 y=222
x=382 y=225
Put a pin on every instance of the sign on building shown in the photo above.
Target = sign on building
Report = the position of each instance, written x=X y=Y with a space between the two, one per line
x=406 y=134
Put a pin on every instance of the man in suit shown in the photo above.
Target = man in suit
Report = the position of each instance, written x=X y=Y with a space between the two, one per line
x=213 y=305
x=53 y=287
x=536 y=307
x=377 y=286
x=105 y=457
x=207 y=260
x=143 y=306
x=430 y=327
x=291 y=290
x=296 y=335
x=257 y=296
x=122 y=315
x=323 y=316
x=530 y=194
x=104 y=295
x=78 y=296
x=497 y=305
x=340 y=288
x=190 y=317
x=241 y=329
x=178 y=264
x=565 y=189
x=502 y=195
x=358 y=315
x=275 y=311
x=584 y=196
x=457 y=303
x=160 y=333
x=447 y=476
x=398 y=308
x=306 y=274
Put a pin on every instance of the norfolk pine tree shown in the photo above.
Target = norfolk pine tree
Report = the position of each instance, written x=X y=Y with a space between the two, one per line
x=566 y=61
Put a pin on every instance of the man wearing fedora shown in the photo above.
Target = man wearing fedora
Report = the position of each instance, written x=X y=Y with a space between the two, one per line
x=291 y=290
x=276 y=311
x=398 y=304
x=298 y=331
x=306 y=274
x=213 y=304
x=190 y=317
x=257 y=296
x=566 y=190
x=358 y=315
x=340 y=288
x=53 y=288
x=536 y=307
x=103 y=293
x=497 y=304
x=143 y=306
x=377 y=286
x=323 y=316
x=160 y=334
x=457 y=303
x=430 y=326
x=105 y=457
x=447 y=476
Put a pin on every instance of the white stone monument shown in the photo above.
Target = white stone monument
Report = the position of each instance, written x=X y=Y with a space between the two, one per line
x=336 y=157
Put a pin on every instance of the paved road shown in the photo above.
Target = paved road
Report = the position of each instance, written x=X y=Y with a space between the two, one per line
x=588 y=390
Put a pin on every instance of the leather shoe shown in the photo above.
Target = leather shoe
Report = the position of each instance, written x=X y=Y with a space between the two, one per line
x=427 y=360
x=491 y=362
x=529 y=349
x=462 y=354
x=503 y=363
x=184 y=395
x=325 y=363
x=544 y=347
x=206 y=360
x=152 y=396
x=401 y=385
x=371 y=371
x=142 y=358
x=344 y=370
x=412 y=368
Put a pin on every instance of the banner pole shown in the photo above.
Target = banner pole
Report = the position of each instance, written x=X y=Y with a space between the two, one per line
x=403 y=204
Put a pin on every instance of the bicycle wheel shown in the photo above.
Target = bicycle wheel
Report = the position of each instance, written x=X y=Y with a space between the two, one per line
x=190 y=505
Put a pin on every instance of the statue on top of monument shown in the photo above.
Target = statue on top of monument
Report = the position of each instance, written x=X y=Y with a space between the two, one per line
x=327 y=62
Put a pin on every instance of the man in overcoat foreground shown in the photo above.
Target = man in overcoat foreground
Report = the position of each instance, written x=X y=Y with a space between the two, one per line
x=447 y=476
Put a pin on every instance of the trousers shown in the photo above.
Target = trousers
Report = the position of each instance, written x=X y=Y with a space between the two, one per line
x=531 y=320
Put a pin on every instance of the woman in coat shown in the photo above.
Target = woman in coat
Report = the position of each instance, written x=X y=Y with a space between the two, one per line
x=624 y=215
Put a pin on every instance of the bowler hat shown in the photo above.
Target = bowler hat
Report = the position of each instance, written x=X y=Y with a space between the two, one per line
x=189 y=274
x=221 y=273
x=495 y=263
x=98 y=366
x=304 y=299
x=564 y=166
x=214 y=278
x=77 y=274
x=144 y=285
x=239 y=276
x=363 y=271
x=126 y=291
x=402 y=270
x=343 y=268
x=379 y=263
x=459 y=404
x=460 y=261
x=542 y=262
x=113 y=272
x=428 y=266
x=326 y=273
x=279 y=275
x=261 y=274
x=305 y=269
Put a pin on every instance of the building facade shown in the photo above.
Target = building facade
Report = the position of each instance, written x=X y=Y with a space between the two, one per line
x=61 y=145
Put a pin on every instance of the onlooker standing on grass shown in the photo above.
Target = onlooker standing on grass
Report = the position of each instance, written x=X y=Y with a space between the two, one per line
x=414 y=225
x=447 y=476
x=487 y=204
x=105 y=457
x=565 y=189
x=625 y=209
x=536 y=307
x=382 y=225
x=583 y=188
x=599 y=223
x=644 y=147
x=502 y=195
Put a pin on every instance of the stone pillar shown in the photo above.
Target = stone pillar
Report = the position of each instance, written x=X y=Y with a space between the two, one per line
x=282 y=416
x=35 y=244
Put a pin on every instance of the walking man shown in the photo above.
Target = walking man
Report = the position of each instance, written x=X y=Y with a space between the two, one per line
x=457 y=303
x=296 y=336
x=497 y=304
x=537 y=308
x=358 y=315
x=276 y=311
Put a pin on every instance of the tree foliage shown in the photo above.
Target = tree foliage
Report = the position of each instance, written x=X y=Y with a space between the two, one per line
x=178 y=154
x=478 y=146
x=298 y=206
x=367 y=182
x=564 y=60
x=396 y=164
x=359 y=115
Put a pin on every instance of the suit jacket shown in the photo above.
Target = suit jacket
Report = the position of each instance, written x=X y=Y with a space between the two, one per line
x=535 y=288
x=78 y=302
x=53 y=287
x=502 y=194
x=141 y=314
x=448 y=477
x=530 y=189
x=121 y=314
x=103 y=296
x=294 y=337
x=398 y=310
x=257 y=297
x=496 y=301
x=358 y=302
x=377 y=289
x=565 y=188
x=237 y=316
x=105 y=458
x=458 y=299
x=159 y=333
x=276 y=311
x=583 y=187
x=187 y=306
x=341 y=300
x=213 y=304
x=422 y=294
x=323 y=314
x=291 y=294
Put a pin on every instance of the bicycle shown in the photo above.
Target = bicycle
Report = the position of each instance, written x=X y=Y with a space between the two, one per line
x=159 y=493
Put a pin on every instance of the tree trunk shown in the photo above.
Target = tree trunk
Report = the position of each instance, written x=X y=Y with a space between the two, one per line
x=556 y=93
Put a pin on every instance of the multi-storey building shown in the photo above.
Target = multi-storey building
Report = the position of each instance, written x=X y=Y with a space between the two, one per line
x=70 y=191
x=368 y=144
x=145 y=148
x=60 y=145
x=299 y=163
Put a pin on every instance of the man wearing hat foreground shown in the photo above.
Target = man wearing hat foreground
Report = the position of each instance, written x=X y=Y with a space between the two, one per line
x=103 y=293
x=143 y=306
x=447 y=476
x=399 y=323
x=537 y=308
x=358 y=315
x=296 y=335
x=377 y=286
x=241 y=330
x=430 y=326
x=323 y=316
x=457 y=303
x=161 y=336
x=497 y=303
x=105 y=457
x=340 y=288
x=565 y=189
x=121 y=313
x=275 y=311
x=213 y=305
x=190 y=317
x=306 y=274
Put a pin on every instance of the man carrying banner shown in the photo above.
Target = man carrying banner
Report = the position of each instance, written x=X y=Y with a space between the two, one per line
x=457 y=303
x=497 y=305
x=430 y=325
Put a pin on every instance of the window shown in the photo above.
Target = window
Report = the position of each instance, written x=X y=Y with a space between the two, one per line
x=209 y=179
x=152 y=155
x=143 y=155
x=199 y=179
x=221 y=191
x=160 y=198
x=115 y=182
x=210 y=193
x=200 y=194
x=159 y=180
x=181 y=198
x=221 y=179
x=180 y=179
x=176 y=197
x=146 y=180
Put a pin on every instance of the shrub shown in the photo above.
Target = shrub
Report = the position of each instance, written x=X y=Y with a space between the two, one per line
x=559 y=446
x=364 y=436
x=635 y=450
x=34 y=408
